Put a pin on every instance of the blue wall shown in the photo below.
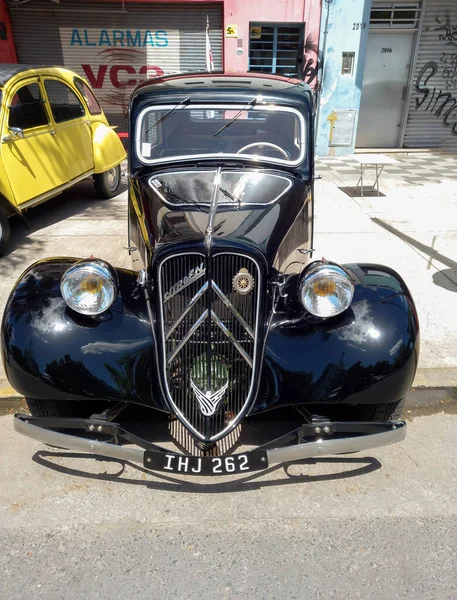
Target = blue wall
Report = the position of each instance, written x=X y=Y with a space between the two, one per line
x=341 y=91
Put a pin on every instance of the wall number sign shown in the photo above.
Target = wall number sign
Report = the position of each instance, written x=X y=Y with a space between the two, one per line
x=357 y=26
x=231 y=31
x=384 y=50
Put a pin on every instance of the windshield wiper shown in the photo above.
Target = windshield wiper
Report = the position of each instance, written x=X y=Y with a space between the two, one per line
x=228 y=195
x=250 y=103
x=167 y=114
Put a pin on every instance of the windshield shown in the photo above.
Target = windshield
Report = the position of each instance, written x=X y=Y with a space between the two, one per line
x=185 y=188
x=275 y=134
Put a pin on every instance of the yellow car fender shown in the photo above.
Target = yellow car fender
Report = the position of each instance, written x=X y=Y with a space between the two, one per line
x=108 y=148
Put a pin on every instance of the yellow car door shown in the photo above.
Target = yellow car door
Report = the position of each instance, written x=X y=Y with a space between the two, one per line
x=72 y=126
x=30 y=150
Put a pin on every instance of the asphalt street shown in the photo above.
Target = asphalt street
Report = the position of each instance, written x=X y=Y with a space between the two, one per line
x=376 y=526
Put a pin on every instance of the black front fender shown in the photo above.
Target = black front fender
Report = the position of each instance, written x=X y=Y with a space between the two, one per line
x=367 y=355
x=49 y=351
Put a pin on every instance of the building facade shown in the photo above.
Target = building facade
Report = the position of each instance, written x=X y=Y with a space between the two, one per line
x=116 y=44
x=389 y=76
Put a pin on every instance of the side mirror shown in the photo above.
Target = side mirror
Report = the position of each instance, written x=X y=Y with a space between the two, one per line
x=14 y=132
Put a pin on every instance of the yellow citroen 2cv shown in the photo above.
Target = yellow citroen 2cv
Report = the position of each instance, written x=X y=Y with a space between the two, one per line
x=53 y=134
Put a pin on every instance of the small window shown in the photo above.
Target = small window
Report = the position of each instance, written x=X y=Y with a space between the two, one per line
x=27 y=108
x=64 y=103
x=89 y=97
x=275 y=48
x=395 y=16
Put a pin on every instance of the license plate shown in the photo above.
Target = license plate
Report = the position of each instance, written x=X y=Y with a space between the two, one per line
x=255 y=460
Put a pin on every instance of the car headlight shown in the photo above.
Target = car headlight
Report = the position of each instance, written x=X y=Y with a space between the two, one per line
x=326 y=290
x=88 y=287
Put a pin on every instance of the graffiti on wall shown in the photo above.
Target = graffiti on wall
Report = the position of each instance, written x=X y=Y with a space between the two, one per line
x=437 y=80
x=449 y=30
x=449 y=69
x=440 y=103
x=311 y=62
x=115 y=61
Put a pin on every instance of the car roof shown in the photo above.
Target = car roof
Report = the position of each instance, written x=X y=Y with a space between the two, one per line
x=8 y=71
x=252 y=83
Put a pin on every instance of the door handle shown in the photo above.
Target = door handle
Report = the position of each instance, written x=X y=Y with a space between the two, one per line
x=52 y=132
x=88 y=123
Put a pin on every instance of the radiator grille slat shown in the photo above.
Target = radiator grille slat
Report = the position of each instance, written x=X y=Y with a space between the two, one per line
x=198 y=362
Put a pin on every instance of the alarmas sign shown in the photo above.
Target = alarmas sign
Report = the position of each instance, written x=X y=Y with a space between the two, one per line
x=116 y=60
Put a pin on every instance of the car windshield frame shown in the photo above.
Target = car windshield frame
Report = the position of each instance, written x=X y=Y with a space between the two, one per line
x=254 y=158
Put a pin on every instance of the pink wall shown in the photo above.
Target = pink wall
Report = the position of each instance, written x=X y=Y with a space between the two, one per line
x=242 y=12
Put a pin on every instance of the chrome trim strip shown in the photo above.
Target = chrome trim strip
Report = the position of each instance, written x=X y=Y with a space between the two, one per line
x=223 y=203
x=230 y=306
x=213 y=208
x=55 y=192
x=231 y=337
x=325 y=447
x=222 y=156
x=191 y=304
x=189 y=334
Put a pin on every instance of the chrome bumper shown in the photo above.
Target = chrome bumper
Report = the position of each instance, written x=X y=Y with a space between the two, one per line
x=389 y=433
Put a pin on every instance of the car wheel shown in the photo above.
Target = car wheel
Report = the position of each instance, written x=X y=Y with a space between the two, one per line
x=366 y=412
x=389 y=412
x=107 y=184
x=4 y=231
x=63 y=408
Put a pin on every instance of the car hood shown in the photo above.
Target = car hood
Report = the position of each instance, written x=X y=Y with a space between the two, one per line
x=254 y=207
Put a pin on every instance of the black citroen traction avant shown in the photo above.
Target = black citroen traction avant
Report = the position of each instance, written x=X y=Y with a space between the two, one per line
x=226 y=314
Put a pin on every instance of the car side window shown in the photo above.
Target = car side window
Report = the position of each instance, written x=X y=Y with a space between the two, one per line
x=89 y=96
x=65 y=104
x=27 y=108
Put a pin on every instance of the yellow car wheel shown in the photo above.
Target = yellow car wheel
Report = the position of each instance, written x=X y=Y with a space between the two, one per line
x=107 y=184
x=4 y=231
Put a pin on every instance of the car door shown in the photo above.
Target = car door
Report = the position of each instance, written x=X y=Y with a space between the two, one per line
x=72 y=126
x=32 y=155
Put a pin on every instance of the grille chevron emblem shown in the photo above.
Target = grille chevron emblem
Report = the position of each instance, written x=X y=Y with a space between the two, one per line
x=208 y=402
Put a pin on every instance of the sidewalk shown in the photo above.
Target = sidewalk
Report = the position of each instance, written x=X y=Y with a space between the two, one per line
x=413 y=229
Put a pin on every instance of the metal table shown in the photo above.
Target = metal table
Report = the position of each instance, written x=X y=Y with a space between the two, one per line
x=372 y=160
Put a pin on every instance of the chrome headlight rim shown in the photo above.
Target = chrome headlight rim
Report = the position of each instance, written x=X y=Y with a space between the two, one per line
x=89 y=267
x=319 y=269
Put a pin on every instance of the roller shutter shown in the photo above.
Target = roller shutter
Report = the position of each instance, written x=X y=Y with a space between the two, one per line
x=116 y=49
x=432 y=114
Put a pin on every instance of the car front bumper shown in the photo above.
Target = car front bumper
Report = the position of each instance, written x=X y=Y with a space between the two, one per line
x=341 y=438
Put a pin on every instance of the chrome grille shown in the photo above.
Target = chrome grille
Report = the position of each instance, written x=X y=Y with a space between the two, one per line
x=209 y=334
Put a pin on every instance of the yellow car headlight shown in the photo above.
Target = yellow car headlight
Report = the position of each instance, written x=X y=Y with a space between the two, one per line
x=326 y=290
x=88 y=287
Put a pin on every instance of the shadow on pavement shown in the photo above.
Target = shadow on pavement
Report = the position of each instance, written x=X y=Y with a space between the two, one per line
x=434 y=254
x=356 y=468
x=79 y=201
x=446 y=278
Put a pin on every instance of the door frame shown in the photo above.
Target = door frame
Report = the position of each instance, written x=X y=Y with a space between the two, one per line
x=412 y=71
x=32 y=132
x=84 y=119
x=373 y=29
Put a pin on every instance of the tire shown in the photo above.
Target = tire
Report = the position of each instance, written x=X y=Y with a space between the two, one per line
x=4 y=232
x=389 y=412
x=366 y=412
x=108 y=183
x=64 y=408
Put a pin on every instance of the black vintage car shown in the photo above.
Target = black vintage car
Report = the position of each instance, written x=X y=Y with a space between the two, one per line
x=227 y=314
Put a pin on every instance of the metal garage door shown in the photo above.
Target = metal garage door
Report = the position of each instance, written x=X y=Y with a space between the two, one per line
x=113 y=48
x=432 y=116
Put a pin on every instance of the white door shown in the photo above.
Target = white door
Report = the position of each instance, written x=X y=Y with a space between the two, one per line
x=385 y=79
